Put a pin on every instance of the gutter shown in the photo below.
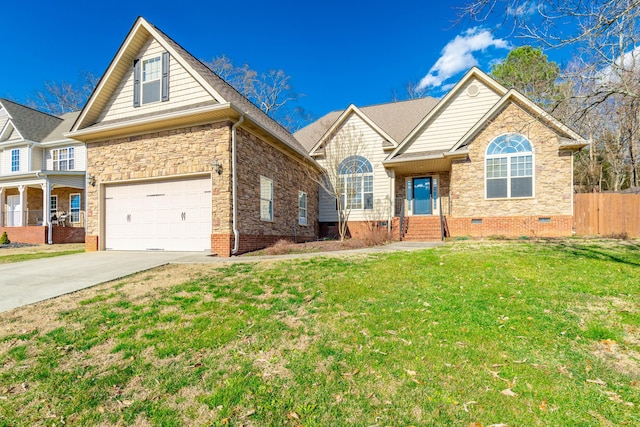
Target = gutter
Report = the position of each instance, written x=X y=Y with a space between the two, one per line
x=234 y=183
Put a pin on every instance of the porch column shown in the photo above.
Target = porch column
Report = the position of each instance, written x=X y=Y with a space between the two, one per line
x=46 y=209
x=23 y=204
x=2 y=203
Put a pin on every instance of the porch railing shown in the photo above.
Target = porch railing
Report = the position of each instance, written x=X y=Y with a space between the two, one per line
x=35 y=217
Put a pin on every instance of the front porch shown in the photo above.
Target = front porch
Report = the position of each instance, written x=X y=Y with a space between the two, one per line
x=38 y=214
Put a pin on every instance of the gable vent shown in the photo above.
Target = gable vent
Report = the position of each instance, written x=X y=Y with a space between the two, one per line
x=473 y=90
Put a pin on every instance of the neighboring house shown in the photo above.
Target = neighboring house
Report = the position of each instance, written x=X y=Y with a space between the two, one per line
x=179 y=160
x=42 y=176
x=481 y=161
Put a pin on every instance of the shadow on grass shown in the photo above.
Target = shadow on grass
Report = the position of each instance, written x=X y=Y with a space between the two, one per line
x=625 y=253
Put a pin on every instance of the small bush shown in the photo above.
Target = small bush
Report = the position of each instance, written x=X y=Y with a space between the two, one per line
x=280 y=247
x=524 y=238
x=462 y=238
x=4 y=239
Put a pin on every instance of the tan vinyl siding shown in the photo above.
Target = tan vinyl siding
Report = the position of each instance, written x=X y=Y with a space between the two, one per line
x=184 y=90
x=452 y=122
x=36 y=158
x=371 y=149
x=67 y=181
x=5 y=162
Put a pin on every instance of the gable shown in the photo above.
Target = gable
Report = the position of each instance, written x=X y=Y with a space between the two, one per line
x=453 y=120
x=354 y=133
x=184 y=89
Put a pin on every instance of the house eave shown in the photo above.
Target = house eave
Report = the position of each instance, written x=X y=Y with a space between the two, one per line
x=155 y=123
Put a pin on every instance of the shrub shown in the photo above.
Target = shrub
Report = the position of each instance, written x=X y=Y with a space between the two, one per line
x=281 y=247
x=4 y=239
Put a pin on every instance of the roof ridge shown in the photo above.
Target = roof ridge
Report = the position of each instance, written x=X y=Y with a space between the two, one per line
x=32 y=108
x=223 y=80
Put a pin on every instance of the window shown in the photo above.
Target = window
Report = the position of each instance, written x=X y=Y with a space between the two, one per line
x=54 y=205
x=74 y=207
x=509 y=167
x=151 y=73
x=356 y=181
x=266 y=199
x=15 y=160
x=63 y=159
x=302 y=208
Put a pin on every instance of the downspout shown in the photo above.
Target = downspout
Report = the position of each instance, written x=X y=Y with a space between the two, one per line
x=234 y=192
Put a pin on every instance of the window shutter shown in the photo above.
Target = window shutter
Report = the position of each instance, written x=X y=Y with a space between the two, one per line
x=165 y=76
x=136 y=82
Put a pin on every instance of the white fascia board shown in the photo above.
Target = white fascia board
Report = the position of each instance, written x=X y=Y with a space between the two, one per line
x=149 y=119
x=352 y=109
x=473 y=72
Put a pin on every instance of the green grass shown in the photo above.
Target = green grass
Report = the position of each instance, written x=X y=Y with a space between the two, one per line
x=517 y=333
x=10 y=258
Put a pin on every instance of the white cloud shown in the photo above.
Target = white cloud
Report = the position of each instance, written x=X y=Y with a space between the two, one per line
x=526 y=8
x=458 y=55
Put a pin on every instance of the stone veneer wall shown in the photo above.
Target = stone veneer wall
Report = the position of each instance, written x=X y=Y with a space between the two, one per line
x=290 y=174
x=164 y=154
x=553 y=185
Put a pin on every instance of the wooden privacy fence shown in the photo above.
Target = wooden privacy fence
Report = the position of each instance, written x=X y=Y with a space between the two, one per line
x=607 y=214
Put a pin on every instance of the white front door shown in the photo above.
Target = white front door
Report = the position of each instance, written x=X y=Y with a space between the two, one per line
x=163 y=215
x=14 y=211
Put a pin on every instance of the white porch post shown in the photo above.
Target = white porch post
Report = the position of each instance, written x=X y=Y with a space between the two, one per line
x=46 y=211
x=23 y=204
x=2 y=203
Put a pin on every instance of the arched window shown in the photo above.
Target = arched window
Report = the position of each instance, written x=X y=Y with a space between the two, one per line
x=509 y=167
x=356 y=179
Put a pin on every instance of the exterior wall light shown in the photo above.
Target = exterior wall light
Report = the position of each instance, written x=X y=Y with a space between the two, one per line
x=91 y=180
x=217 y=167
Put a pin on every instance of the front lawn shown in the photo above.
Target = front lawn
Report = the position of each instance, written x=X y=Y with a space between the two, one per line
x=468 y=334
x=24 y=252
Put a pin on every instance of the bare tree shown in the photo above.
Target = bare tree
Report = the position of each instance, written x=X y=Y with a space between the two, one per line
x=604 y=74
x=64 y=97
x=342 y=180
x=272 y=91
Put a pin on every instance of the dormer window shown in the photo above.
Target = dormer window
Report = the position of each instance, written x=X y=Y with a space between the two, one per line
x=151 y=80
x=63 y=159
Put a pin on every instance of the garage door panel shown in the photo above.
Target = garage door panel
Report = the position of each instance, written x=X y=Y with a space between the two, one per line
x=164 y=215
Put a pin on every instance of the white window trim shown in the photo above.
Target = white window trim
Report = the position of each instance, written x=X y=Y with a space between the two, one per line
x=509 y=177
x=79 y=208
x=263 y=181
x=142 y=81
x=302 y=219
x=17 y=151
x=70 y=160
x=343 y=181
x=53 y=211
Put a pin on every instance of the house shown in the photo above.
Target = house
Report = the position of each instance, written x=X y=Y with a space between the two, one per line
x=42 y=177
x=481 y=161
x=178 y=160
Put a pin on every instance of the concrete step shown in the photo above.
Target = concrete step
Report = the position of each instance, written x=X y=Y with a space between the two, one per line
x=423 y=228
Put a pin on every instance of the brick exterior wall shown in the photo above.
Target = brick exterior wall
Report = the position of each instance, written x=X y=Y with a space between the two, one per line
x=192 y=150
x=67 y=235
x=34 y=235
x=463 y=189
x=169 y=153
x=512 y=226
x=257 y=158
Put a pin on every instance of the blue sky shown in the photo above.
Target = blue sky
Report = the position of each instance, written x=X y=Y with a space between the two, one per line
x=337 y=52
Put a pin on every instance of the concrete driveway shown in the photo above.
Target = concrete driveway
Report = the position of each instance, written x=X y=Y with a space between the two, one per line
x=28 y=282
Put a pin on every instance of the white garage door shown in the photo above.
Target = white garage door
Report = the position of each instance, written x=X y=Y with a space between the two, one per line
x=163 y=215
